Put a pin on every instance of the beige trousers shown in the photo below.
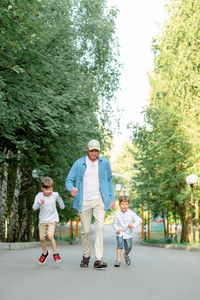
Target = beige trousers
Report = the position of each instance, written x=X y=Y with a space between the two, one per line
x=95 y=207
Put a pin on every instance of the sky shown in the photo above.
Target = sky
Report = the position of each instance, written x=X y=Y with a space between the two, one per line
x=137 y=23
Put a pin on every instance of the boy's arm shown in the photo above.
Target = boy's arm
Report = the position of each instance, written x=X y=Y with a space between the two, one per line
x=36 y=203
x=136 y=219
x=60 y=202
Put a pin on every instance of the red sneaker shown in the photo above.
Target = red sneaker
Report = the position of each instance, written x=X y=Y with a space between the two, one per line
x=43 y=257
x=57 y=257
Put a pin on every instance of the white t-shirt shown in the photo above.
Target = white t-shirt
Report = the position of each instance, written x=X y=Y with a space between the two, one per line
x=91 y=189
x=48 y=211
x=122 y=220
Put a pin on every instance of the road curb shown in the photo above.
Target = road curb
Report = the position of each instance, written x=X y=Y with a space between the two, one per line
x=27 y=245
x=177 y=247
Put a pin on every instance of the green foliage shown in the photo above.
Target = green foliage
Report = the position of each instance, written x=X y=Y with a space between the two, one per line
x=169 y=142
x=58 y=73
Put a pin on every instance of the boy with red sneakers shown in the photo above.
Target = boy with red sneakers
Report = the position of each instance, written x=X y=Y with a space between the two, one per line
x=48 y=217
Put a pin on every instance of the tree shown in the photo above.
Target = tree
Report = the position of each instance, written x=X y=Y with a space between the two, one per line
x=52 y=83
x=169 y=141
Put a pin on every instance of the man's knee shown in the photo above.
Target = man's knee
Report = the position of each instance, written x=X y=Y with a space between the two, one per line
x=100 y=227
x=85 y=233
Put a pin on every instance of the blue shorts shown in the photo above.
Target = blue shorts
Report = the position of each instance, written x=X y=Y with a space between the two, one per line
x=124 y=243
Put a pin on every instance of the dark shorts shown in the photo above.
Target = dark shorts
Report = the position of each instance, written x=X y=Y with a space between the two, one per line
x=124 y=243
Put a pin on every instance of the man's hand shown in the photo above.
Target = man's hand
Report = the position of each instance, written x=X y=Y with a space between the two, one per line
x=118 y=231
x=112 y=204
x=130 y=226
x=74 y=191
x=42 y=202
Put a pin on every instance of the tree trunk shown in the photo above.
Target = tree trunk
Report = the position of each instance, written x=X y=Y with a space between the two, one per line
x=167 y=227
x=23 y=229
x=185 y=215
x=3 y=197
x=164 y=225
x=14 y=218
x=23 y=223
x=29 y=233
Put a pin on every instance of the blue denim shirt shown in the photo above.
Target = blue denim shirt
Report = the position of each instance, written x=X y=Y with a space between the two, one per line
x=105 y=181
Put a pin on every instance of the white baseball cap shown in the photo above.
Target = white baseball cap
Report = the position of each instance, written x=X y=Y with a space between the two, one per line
x=93 y=144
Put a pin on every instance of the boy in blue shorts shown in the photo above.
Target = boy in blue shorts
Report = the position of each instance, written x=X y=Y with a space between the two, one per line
x=125 y=221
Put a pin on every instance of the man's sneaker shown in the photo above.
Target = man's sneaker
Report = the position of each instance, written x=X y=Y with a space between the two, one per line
x=56 y=257
x=43 y=257
x=98 y=264
x=85 y=262
x=117 y=263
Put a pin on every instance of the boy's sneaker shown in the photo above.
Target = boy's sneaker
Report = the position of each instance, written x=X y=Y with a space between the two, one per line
x=43 y=257
x=57 y=257
x=127 y=260
x=117 y=263
x=98 y=264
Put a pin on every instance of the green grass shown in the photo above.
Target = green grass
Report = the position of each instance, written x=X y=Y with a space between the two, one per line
x=64 y=238
x=154 y=241
x=193 y=244
x=166 y=241
x=59 y=238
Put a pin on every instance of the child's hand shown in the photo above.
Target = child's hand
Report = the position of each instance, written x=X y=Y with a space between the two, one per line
x=118 y=231
x=130 y=226
x=42 y=201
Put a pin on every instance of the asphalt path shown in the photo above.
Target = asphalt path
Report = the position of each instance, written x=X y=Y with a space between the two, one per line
x=155 y=273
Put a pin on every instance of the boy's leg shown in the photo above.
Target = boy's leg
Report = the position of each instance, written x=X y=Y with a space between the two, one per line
x=43 y=245
x=45 y=252
x=119 y=252
x=43 y=233
x=127 y=246
x=119 y=247
x=53 y=243
x=50 y=233
x=85 y=218
x=99 y=214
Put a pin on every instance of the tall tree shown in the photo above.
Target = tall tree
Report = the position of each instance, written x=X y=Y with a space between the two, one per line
x=54 y=73
x=169 y=142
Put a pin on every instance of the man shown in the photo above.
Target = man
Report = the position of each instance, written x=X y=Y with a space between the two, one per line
x=93 y=194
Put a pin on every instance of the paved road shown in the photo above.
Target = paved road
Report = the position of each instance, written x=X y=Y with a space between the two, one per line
x=154 y=274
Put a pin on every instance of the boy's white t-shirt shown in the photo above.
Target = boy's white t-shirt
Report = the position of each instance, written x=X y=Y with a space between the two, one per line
x=91 y=189
x=122 y=220
x=48 y=211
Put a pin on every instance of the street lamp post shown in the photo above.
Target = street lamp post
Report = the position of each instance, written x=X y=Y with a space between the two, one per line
x=191 y=180
x=124 y=192
x=118 y=189
x=145 y=222
x=142 y=233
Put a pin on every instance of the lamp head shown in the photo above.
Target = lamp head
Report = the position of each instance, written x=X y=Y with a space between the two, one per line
x=192 y=179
